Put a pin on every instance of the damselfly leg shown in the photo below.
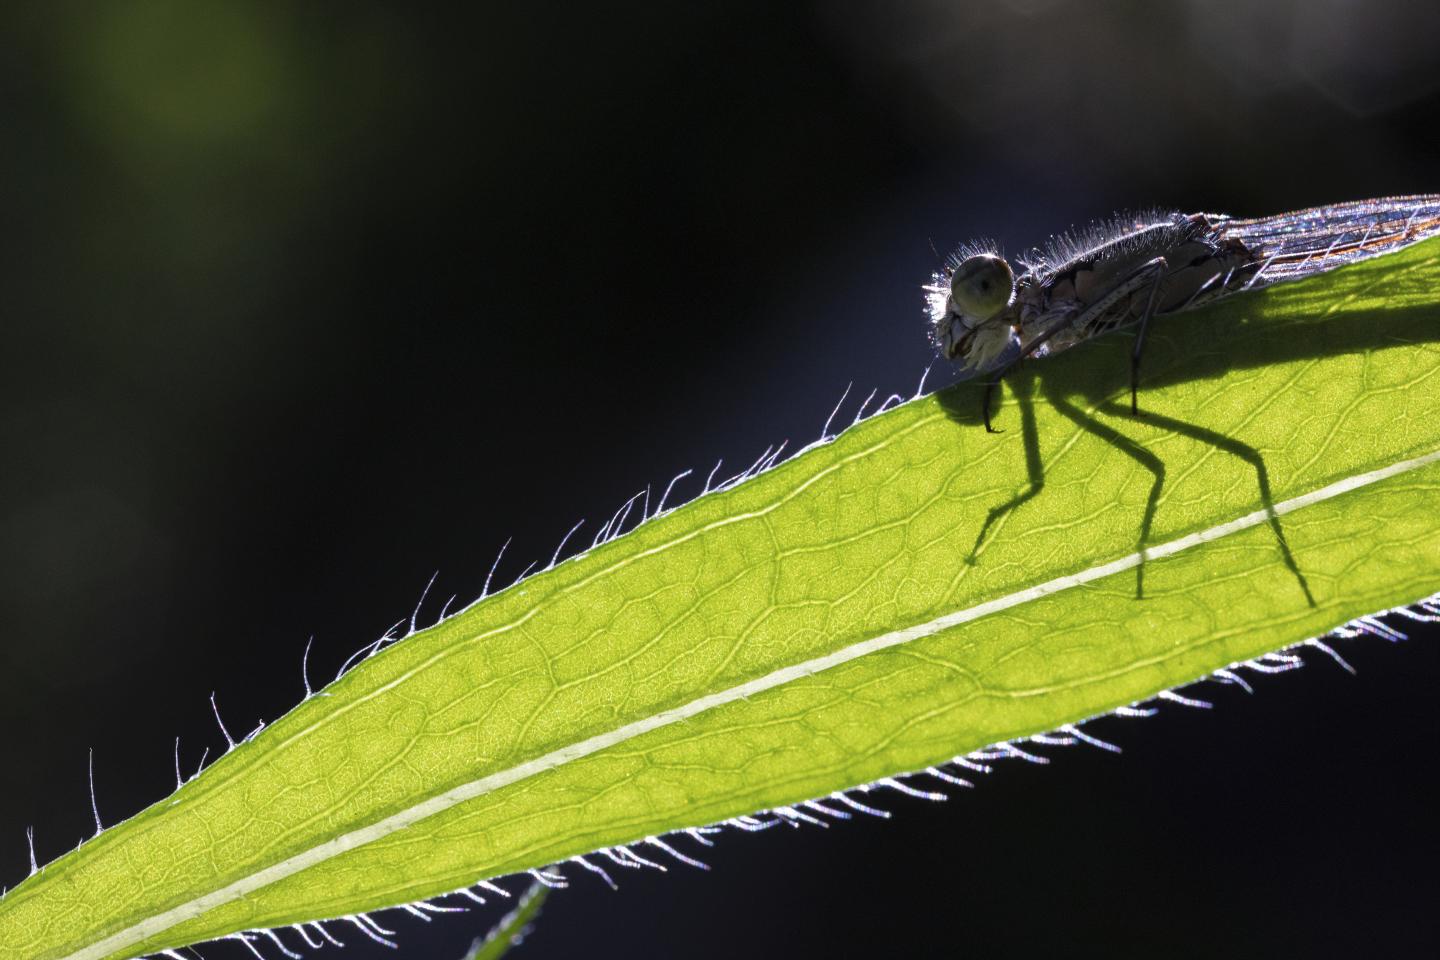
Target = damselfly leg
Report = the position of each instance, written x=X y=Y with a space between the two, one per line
x=1157 y=271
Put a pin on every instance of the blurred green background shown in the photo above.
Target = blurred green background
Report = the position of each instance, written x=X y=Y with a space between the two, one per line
x=303 y=302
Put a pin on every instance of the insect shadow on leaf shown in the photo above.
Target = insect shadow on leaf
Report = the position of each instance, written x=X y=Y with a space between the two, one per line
x=1023 y=385
x=1236 y=448
x=1084 y=383
x=957 y=403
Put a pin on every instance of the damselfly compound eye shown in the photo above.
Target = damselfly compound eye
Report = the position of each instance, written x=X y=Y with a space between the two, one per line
x=982 y=286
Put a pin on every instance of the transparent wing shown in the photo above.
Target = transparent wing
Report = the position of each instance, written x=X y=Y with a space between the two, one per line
x=1288 y=246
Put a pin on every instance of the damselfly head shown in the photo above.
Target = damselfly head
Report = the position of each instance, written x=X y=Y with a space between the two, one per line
x=967 y=306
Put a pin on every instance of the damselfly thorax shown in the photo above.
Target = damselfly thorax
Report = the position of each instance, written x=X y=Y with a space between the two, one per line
x=1124 y=272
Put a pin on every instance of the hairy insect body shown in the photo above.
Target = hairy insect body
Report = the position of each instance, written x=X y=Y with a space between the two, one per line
x=1183 y=261
x=1125 y=272
x=1121 y=272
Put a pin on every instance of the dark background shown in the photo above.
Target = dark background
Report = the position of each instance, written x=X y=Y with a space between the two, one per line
x=303 y=302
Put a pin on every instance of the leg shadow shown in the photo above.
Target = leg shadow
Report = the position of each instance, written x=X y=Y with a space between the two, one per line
x=1251 y=456
x=1137 y=453
x=961 y=406
x=1023 y=385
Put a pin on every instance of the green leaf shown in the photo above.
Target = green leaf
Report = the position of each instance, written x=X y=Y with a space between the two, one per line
x=914 y=590
x=512 y=929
